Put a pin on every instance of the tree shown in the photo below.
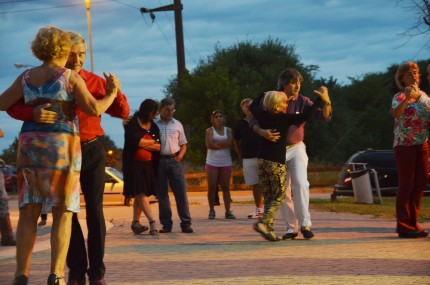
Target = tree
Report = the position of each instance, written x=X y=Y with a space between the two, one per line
x=224 y=79
x=421 y=8
x=9 y=154
x=113 y=154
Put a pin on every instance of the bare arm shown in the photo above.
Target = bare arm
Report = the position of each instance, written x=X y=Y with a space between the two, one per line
x=210 y=144
x=322 y=92
x=11 y=95
x=418 y=95
x=237 y=148
x=149 y=144
x=42 y=115
x=398 y=111
x=209 y=140
x=268 y=134
x=86 y=101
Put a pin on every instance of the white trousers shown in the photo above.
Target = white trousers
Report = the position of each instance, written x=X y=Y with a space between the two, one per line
x=295 y=210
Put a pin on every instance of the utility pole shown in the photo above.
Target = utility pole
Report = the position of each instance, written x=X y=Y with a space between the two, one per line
x=180 y=51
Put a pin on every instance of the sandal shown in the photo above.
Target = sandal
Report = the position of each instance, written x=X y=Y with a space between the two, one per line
x=153 y=227
x=137 y=228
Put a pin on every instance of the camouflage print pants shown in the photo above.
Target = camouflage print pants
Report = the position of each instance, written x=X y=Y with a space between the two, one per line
x=272 y=176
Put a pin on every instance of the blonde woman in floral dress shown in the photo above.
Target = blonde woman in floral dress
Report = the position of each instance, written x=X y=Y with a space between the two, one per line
x=49 y=155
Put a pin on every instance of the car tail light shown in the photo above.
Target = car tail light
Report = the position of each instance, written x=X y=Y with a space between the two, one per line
x=347 y=181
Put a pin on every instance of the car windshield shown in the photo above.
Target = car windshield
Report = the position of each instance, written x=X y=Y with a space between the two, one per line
x=116 y=172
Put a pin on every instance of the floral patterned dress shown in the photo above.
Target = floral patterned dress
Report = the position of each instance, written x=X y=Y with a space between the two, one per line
x=49 y=155
x=411 y=128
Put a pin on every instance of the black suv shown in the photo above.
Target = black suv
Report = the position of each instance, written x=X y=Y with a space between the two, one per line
x=382 y=161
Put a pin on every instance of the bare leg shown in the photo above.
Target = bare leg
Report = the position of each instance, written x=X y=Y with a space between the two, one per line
x=258 y=197
x=212 y=176
x=60 y=238
x=224 y=179
x=144 y=204
x=137 y=211
x=26 y=236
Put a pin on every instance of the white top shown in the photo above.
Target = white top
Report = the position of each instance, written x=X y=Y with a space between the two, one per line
x=172 y=136
x=220 y=157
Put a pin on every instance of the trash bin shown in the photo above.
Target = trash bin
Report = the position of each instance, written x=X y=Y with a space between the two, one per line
x=361 y=186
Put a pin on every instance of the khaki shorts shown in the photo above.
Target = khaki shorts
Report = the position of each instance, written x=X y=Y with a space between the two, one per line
x=250 y=171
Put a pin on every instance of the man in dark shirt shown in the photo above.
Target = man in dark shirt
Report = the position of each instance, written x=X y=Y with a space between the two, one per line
x=247 y=146
x=92 y=175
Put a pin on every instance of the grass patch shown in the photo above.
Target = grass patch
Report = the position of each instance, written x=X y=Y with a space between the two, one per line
x=386 y=210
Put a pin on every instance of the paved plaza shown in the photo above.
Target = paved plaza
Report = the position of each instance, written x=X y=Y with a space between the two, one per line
x=347 y=249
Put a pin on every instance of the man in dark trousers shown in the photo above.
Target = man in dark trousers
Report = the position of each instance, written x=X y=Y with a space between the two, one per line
x=92 y=175
x=170 y=171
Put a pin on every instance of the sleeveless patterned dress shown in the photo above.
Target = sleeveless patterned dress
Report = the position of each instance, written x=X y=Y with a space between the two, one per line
x=49 y=155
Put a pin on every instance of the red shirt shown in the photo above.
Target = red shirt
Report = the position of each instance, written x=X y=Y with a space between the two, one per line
x=143 y=154
x=89 y=127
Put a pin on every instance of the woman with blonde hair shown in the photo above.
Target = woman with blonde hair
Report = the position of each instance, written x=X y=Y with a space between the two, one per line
x=272 y=171
x=49 y=155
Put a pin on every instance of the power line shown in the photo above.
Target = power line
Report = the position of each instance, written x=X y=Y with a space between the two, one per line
x=13 y=2
x=49 y=8
x=186 y=34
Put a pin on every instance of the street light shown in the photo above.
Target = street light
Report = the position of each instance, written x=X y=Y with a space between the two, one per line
x=87 y=5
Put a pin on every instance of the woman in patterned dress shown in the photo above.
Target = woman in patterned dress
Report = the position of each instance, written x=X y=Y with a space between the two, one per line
x=411 y=150
x=49 y=155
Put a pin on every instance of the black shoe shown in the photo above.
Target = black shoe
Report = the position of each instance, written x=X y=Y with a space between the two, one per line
x=413 y=234
x=187 y=229
x=290 y=236
x=137 y=228
x=229 y=215
x=306 y=232
x=165 y=230
x=20 y=280
x=54 y=279
x=268 y=234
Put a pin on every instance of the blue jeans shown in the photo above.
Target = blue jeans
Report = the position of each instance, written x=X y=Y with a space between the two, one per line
x=171 y=173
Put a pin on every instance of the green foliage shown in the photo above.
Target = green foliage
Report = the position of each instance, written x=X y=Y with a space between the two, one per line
x=226 y=78
x=360 y=118
x=9 y=154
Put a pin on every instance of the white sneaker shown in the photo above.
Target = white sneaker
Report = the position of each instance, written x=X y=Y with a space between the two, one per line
x=257 y=214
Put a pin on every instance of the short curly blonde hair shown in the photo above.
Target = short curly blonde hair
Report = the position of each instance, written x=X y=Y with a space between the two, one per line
x=272 y=99
x=51 y=43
